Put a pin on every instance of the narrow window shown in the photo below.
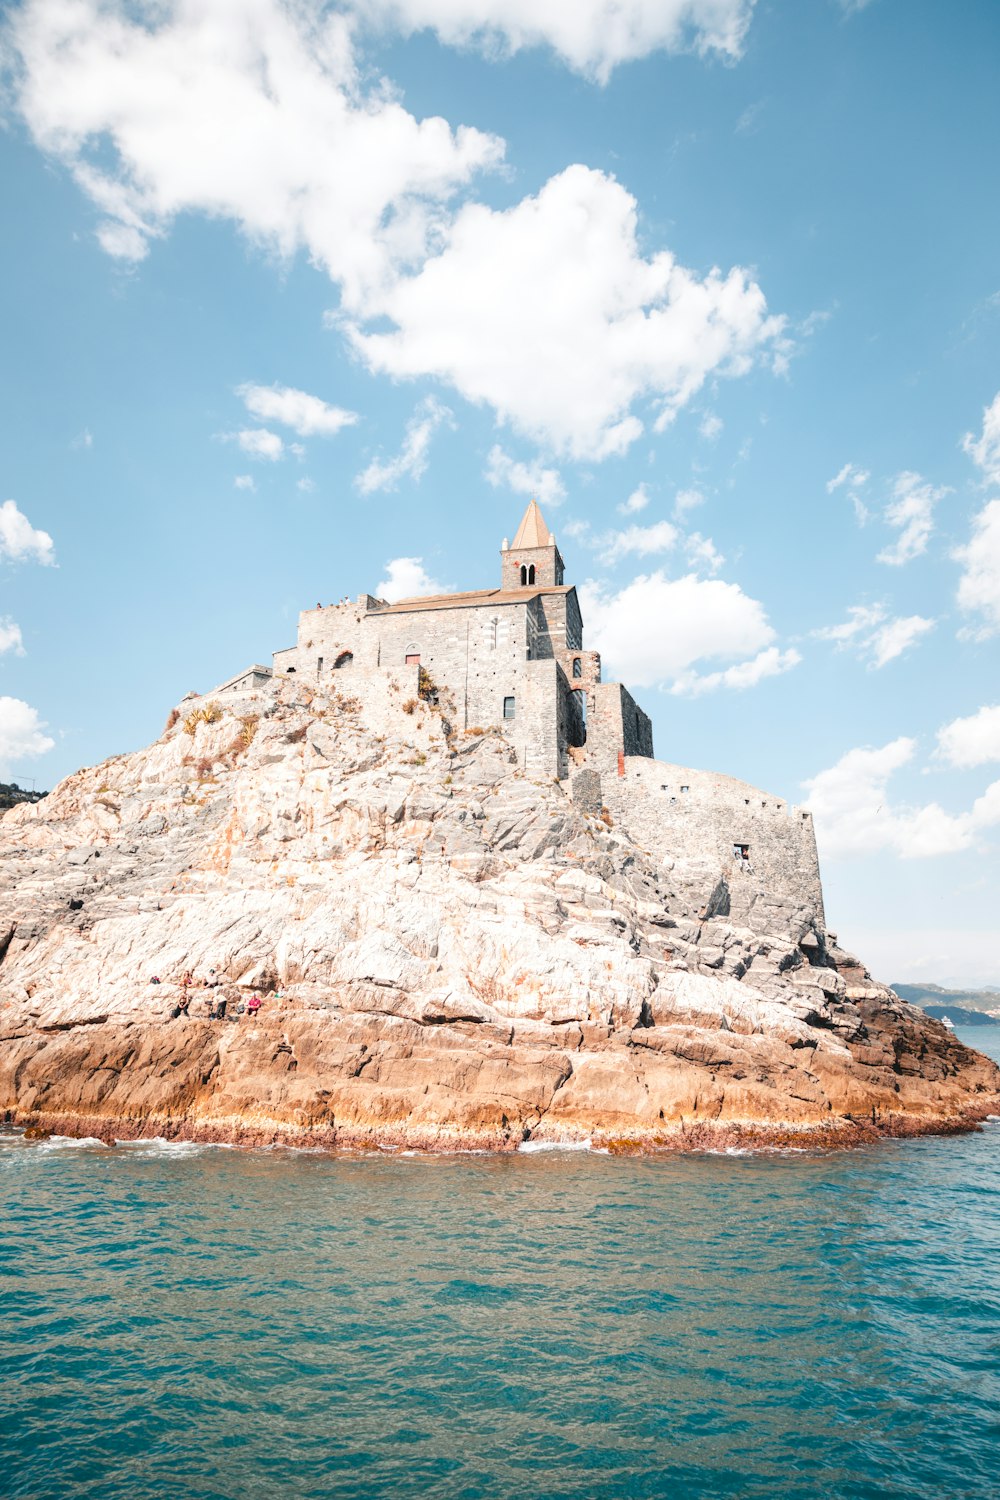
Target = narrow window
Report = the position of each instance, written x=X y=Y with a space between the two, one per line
x=577 y=667
x=508 y=708
x=413 y=658
x=524 y=575
x=319 y=665
x=531 y=573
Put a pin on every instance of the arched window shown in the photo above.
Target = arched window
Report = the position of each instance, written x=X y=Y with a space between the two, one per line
x=524 y=576
x=577 y=667
x=345 y=659
x=531 y=573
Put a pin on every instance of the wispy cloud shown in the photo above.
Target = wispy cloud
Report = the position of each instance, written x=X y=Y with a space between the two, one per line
x=911 y=512
x=307 y=415
x=874 y=635
x=505 y=472
x=411 y=461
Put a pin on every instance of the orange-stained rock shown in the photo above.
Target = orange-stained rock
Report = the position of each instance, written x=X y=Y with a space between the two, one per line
x=449 y=953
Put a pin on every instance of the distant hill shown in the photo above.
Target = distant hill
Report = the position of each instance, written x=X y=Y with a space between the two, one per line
x=11 y=794
x=964 y=1007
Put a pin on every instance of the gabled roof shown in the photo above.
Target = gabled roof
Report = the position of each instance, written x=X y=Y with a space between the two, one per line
x=471 y=600
x=532 y=531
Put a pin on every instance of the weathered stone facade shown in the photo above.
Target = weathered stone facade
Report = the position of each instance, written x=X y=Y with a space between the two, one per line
x=512 y=659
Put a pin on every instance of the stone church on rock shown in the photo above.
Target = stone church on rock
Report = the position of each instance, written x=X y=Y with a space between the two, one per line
x=513 y=659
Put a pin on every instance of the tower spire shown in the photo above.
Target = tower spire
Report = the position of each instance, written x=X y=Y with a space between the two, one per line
x=532 y=531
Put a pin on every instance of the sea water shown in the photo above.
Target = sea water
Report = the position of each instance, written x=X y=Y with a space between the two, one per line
x=183 y=1321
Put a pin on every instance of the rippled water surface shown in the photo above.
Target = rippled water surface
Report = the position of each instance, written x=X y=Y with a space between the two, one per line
x=185 y=1322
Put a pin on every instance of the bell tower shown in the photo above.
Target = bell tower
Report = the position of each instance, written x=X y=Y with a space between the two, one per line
x=533 y=560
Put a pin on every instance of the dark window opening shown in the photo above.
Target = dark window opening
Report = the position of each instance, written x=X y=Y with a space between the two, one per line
x=524 y=575
x=319 y=664
x=531 y=573
x=577 y=667
x=508 y=708
x=413 y=658
x=344 y=659
x=685 y=788
x=291 y=669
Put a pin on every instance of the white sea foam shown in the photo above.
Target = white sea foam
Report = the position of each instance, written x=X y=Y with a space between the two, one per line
x=556 y=1145
x=71 y=1142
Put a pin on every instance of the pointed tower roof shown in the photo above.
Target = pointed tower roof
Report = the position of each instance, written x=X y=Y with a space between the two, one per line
x=532 y=531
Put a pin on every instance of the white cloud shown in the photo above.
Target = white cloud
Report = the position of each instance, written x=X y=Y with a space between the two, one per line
x=767 y=663
x=591 y=36
x=637 y=541
x=686 y=500
x=854 y=814
x=850 y=475
x=257 y=442
x=897 y=636
x=549 y=313
x=504 y=472
x=985 y=450
x=254 y=112
x=861 y=622
x=244 y=482
x=406 y=577
x=911 y=511
x=656 y=629
x=637 y=501
x=979 y=585
x=972 y=741
x=307 y=415
x=305 y=484
x=10 y=636
x=701 y=552
x=20 y=541
x=21 y=733
x=855 y=479
x=710 y=425
x=411 y=461
x=84 y=439
x=875 y=636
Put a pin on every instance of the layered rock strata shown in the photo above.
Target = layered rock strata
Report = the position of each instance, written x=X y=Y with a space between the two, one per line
x=449 y=954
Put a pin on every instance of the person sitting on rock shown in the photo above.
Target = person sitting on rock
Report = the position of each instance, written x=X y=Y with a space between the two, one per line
x=253 y=1005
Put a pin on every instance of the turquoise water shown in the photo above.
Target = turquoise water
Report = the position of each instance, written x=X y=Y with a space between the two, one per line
x=182 y=1322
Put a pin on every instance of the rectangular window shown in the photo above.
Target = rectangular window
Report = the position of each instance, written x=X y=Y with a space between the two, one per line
x=319 y=665
x=508 y=708
x=413 y=659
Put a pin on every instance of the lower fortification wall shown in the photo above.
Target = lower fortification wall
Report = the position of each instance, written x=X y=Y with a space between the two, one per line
x=727 y=828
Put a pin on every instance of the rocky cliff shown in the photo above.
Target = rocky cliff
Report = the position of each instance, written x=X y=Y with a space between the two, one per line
x=448 y=954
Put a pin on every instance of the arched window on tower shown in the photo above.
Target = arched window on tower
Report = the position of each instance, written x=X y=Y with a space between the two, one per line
x=531 y=573
x=524 y=576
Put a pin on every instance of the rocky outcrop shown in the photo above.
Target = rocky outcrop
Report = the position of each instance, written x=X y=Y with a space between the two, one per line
x=448 y=953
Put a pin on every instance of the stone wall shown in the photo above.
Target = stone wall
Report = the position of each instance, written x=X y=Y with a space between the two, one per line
x=616 y=725
x=703 y=817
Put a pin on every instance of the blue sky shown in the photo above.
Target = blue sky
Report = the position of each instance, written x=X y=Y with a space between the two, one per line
x=301 y=300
